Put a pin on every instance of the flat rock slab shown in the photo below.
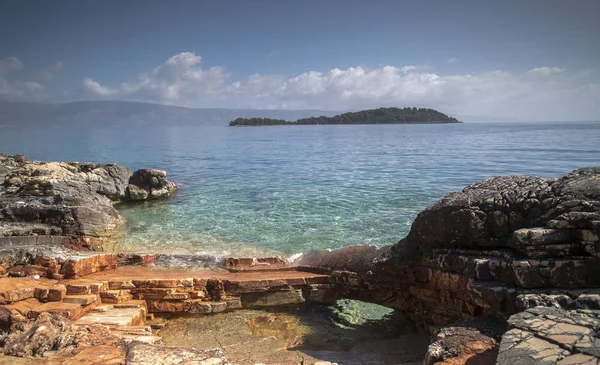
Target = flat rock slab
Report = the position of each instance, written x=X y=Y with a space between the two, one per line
x=113 y=317
x=68 y=310
x=544 y=335
x=15 y=289
x=139 y=273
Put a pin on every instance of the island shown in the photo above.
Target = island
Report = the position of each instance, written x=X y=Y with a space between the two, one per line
x=370 y=116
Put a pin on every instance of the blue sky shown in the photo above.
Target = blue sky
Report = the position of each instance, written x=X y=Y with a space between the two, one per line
x=506 y=58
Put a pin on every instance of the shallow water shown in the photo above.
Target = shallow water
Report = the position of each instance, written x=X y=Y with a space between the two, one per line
x=369 y=333
x=289 y=189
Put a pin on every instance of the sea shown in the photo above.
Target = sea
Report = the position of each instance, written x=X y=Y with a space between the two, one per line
x=285 y=190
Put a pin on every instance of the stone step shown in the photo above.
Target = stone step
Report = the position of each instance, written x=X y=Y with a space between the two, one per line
x=103 y=308
x=114 y=317
x=133 y=303
x=85 y=299
x=68 y=310
x=82 y=287
x=551 y=250
x=540 y=236
x=116 y=300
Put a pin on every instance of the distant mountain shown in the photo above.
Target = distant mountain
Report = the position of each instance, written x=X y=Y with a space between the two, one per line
x=370 y=116
x=88 y=114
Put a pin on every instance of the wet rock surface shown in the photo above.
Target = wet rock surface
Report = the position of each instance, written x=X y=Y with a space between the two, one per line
x=307 y=334
x=70 y=199
x=139 y=353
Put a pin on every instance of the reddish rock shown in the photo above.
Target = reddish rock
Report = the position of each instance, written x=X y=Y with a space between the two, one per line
x=238 y=287
x=271 y=299
x=67 y=310
x=85 y=299
x=53 y=293
x=168 y=306
x=23 y=307
x=85 y=266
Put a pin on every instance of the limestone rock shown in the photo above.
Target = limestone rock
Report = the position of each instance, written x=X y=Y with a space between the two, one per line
x=147 y=184
x=139 y=353
x=544 y=335
x=60 y=198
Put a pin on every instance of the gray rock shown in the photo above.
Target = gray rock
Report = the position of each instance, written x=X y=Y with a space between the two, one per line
x=147 y=184
x=59 y=198
x=545 y=335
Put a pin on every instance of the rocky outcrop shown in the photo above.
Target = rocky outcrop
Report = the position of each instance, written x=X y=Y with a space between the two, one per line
x=499 y=246
x=70 y=199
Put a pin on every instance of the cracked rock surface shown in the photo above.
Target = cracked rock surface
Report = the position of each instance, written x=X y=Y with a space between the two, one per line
x=545 y=335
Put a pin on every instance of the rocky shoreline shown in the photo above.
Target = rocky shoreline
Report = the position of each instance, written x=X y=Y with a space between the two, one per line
x=75 y=200
x=506 y=271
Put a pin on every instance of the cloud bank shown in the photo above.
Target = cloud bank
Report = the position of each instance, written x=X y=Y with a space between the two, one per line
x=541 y=93
x=33 y=88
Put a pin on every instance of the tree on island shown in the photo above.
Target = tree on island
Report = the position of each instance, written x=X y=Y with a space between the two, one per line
x=371 y=116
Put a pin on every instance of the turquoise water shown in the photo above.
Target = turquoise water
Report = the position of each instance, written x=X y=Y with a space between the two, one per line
x=290 y=189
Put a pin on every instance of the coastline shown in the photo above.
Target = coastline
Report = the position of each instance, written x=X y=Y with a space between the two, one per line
x=511 y=250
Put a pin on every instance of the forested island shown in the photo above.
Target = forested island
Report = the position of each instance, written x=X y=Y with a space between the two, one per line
x=371 y=116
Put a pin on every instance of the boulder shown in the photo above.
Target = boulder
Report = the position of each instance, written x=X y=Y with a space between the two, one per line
x=147 y=184
x=71 y=199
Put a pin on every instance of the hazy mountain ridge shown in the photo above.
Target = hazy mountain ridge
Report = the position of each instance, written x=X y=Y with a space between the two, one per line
x=114 y=113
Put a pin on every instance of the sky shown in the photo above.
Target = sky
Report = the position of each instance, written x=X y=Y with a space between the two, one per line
x=524 y=59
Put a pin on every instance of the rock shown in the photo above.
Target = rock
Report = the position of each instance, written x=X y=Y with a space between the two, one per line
x=147 y=184
x=139 y=353
x=486 y=250
x=6 y=318
x=52 y=332
x=59 y=198
x=469 y=218
x=461 y=345
x=551 y=336
x=272 y=299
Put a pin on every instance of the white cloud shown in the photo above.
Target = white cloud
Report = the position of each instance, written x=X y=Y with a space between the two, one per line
x=10 y=64
x=14 y=88
x=47 y=74
x=546 y=71
x=539 y=93
x=452 y=60
x=180 y=80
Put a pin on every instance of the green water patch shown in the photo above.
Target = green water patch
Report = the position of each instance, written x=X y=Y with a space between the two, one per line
x=307 y=333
